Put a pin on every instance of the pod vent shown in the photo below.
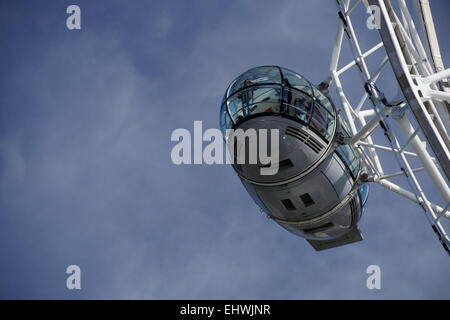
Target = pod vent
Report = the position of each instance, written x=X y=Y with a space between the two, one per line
x=305 y=138
x=353 y=211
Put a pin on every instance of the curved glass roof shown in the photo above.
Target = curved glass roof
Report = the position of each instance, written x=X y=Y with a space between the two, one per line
x=276 y=90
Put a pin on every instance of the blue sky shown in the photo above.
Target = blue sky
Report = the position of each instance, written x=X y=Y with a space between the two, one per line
x=85 y=170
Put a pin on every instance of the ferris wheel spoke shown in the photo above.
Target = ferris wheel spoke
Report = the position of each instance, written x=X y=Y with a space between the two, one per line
x=421 y=79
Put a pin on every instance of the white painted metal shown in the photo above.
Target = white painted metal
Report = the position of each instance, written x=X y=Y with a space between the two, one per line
x=410 y=56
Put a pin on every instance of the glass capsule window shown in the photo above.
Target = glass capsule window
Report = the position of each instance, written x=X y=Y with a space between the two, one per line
x=297 y=104
x=255 y=76
x=324 y=101
x=253 y=100
x=225 y=121
x=322 y=121
x=345 y=127
x=349 y=155
x=275 y=90
x=363 y=192
x=297 y=81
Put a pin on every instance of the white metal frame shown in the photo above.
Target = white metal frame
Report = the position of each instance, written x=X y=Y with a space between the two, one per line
x=418 y=78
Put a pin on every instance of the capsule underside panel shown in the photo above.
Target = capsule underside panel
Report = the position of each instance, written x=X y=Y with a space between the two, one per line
x=310 y=198
x=316 y=188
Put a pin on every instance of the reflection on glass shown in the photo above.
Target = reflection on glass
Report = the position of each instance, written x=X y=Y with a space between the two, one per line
x=296 y=104
x=345 y=127
x=277 y=91
x=350 y=157
x=296 y=81
x=255 y=76
x=363 y=194
x=324 y=101
x=254 y=100
x=225 y=121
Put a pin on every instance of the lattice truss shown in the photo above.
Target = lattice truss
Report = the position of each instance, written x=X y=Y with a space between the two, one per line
x=415 y=122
